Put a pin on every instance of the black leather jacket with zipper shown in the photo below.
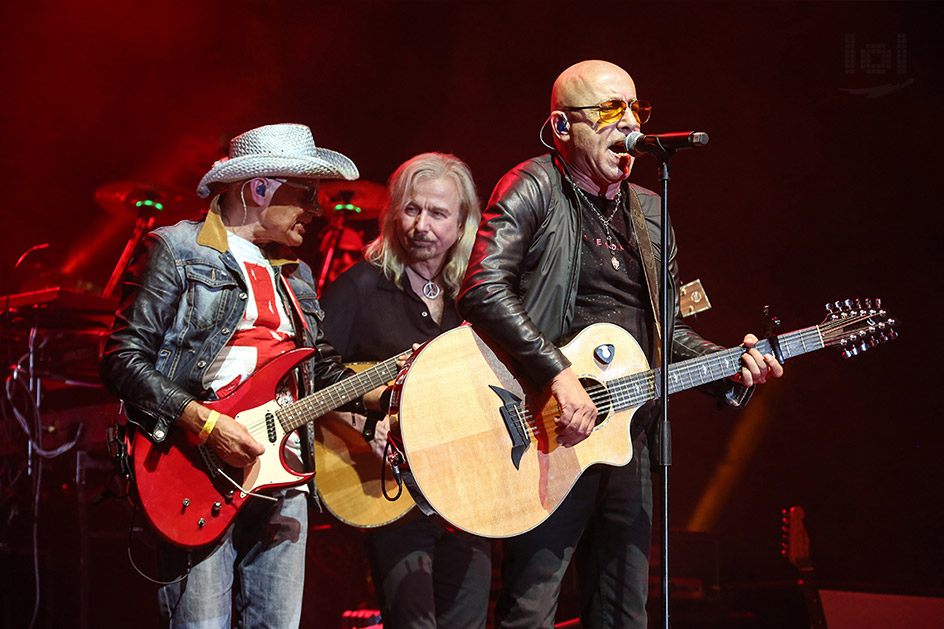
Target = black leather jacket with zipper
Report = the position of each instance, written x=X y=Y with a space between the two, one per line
x=520 y=287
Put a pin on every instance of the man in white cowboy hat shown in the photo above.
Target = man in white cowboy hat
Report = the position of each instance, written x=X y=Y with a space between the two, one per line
x=206 y=304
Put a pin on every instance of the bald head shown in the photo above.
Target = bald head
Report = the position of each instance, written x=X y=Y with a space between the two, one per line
x=590 y=144
x=580 y=84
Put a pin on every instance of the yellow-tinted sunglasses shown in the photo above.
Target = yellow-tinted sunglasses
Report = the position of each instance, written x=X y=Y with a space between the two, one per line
x=612 y=110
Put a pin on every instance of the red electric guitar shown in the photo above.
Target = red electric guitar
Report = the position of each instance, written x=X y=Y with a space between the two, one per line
x=191 y=497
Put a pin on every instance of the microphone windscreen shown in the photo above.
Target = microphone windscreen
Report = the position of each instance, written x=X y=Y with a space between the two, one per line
x=631 y=140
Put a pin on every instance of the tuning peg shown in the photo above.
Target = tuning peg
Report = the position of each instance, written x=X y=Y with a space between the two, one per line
x=850 y=349
x=892 y=335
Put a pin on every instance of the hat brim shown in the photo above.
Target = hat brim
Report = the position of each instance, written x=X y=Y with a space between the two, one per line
x=326 y=164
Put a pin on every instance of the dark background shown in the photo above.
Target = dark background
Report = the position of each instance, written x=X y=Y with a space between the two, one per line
x=817 y=185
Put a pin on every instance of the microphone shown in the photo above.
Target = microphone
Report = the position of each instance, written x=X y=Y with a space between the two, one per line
x=661 y=143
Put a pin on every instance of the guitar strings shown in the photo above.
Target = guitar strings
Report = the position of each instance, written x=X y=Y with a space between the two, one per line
x=626 y=392
x=608 y=396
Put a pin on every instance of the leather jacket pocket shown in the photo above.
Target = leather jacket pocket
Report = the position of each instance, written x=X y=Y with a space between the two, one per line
x=210 y=294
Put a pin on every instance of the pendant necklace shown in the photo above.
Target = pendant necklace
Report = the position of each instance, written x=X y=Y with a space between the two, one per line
x=430 y=289
x=610 y=244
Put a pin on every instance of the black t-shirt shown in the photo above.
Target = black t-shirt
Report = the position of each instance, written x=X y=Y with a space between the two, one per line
x=606 y=293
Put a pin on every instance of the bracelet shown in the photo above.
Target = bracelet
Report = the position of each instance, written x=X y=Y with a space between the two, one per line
x=209 y=425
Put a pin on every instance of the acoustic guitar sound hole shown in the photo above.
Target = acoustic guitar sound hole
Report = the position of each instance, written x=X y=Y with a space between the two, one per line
x=600 y=396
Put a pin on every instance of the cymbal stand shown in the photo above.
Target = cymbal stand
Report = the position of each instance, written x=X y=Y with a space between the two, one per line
x=332 y=234
x=142 y=225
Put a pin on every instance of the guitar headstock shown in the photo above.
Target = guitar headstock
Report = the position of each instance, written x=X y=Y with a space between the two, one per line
x=795 y=543
x=857 y=326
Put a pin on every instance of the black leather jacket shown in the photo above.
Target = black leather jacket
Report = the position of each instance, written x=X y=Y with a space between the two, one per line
x=520 y=287
x=180 y=306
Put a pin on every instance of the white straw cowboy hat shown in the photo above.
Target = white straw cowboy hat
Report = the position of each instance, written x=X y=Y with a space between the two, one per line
x=277 y=150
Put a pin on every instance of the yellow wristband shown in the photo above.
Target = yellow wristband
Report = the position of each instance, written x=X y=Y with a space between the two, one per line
x=209 y=425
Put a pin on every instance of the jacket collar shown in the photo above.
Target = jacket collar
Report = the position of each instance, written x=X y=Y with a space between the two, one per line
x=213 y=235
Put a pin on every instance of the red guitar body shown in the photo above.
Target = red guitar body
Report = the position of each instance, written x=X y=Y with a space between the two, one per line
x=181 y=488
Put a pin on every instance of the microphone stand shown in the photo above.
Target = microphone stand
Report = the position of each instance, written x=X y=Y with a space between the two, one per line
x=664 y=428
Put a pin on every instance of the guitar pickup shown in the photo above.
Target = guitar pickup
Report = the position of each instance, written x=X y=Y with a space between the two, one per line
x=511 y=415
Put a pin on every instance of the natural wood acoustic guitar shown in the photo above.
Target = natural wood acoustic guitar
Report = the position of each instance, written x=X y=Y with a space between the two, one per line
x=349 y=476
x=481 y=444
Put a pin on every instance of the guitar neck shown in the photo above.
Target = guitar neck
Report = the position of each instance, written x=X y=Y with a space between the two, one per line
x=317 y=404
x=636 y=389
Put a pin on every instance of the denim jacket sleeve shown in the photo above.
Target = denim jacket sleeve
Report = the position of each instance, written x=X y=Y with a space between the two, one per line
x=133 y=351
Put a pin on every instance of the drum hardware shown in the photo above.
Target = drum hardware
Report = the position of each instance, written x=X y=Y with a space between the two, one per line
x=151 y=205
x=344 y=201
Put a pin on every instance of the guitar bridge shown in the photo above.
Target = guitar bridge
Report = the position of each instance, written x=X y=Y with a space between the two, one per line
x=511 y=415
x=210 y=460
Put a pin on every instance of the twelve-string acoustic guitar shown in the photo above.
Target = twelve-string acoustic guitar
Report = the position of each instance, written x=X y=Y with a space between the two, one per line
x=480 y=443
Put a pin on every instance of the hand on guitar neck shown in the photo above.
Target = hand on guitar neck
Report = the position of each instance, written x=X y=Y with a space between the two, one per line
x=229 y=439
x=758 y=368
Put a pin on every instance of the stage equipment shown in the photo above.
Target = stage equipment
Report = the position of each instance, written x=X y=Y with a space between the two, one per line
x=355 y=200
x=150 y=205
x=343 y=201
x=693 y=298
x=662 y=145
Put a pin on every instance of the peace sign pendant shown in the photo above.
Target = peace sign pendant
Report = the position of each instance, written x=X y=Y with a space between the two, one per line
x=432 y=290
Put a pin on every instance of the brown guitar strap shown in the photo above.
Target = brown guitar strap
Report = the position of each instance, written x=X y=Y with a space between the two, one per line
x=644 y=243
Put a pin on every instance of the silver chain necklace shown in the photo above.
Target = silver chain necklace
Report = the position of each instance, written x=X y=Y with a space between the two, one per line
x=610 y=244
x=430 y=288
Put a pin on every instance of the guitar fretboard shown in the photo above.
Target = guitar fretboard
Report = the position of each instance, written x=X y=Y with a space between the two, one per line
x=638 y=388
x=317 y=404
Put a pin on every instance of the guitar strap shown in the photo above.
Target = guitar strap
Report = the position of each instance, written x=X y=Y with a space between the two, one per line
x=644 y=243
x=296 y=306
x=308 y=434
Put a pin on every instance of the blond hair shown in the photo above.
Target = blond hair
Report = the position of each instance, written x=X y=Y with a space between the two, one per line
x=386 y=251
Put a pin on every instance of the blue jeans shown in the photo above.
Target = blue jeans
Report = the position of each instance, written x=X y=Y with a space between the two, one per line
x=255 y=575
